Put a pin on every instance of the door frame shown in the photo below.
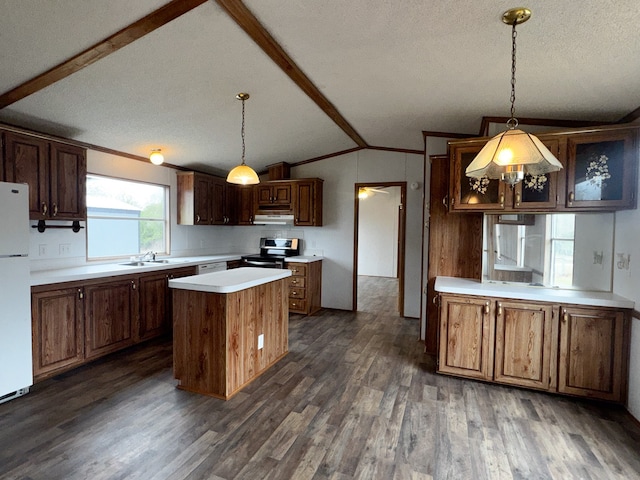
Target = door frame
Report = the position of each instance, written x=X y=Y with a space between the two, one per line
x=402 y=222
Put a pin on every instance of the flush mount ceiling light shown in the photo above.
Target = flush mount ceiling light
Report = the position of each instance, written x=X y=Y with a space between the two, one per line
x=513 y=153
x=243 y=174
x=156 y=156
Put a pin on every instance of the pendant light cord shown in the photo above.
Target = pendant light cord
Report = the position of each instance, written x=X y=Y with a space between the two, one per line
x=242 y=131
x=513 y=122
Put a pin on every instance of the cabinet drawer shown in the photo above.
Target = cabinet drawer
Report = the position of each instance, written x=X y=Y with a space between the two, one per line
x=298 y=269
x=297 y=282
x=297 y=293
x=297 y=305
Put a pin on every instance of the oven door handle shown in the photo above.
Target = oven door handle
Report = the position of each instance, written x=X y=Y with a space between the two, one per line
x=257 y=262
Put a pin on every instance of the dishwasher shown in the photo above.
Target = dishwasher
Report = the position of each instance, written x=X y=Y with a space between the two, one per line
x=211 y=267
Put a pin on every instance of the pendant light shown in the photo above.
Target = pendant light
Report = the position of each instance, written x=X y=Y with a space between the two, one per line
x=513 y=153
x=243 y=174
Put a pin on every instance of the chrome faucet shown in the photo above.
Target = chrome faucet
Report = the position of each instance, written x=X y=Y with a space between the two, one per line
x=149 y=255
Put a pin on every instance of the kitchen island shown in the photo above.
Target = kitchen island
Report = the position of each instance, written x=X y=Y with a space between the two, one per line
x=228 y=328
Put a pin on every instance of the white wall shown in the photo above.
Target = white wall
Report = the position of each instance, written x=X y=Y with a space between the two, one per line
x=340 y=175
x=627 y=283
x=378 y=233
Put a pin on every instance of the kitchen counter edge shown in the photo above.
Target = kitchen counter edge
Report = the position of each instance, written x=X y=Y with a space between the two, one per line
x=466 y=286
x=89 y=272
x=304 y=259
x=229 y=281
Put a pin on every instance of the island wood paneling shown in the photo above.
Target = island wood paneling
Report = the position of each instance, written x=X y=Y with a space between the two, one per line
x=216 y=336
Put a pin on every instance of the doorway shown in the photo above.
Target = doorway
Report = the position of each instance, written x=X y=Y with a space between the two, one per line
x=379 y=247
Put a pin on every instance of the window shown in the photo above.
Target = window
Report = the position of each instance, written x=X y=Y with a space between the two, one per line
x=125 y=218
x=562 y=246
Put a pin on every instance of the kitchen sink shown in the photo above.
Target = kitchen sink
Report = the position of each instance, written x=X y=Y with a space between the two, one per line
x=134 y=264
x=158 y=261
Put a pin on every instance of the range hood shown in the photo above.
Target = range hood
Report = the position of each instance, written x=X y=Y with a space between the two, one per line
x=275 y=219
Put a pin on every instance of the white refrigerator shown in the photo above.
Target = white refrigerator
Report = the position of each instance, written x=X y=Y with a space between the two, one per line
x=16 y=371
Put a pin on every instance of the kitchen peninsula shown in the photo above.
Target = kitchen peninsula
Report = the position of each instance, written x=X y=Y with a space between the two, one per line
x=228 y=328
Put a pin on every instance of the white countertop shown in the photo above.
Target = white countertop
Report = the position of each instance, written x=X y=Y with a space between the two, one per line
x=229 y=281
x=465 y=286
x=91 y=271
x=304 y=258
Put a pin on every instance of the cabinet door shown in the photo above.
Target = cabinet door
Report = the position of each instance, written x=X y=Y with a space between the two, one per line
x=601 y=169
x=263 y=195
x=110 y=314
x=473 y=194
x=539 y=191
x=58 y=340
x=218 y=202
x=281 y=193
x=466 y=336
x=592 y=359
x=202 y=200
x=244 y=201
x=27 y=161
x=525 y=349
x=153 y=319
x=68 y=182
x=308 y=203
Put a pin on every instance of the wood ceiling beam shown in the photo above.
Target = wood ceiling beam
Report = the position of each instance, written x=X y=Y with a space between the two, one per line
x=250 y=24
x=124 y=37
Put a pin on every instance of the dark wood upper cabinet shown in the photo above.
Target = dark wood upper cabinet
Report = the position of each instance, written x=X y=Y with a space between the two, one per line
x=308 y=202
x=599 y=173
x=602 y=170
x=55 y=172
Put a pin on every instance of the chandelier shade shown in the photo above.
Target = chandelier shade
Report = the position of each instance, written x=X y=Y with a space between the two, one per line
x=243 y=174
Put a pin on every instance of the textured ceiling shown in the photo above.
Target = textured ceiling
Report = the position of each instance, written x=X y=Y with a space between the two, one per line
x=391 y=68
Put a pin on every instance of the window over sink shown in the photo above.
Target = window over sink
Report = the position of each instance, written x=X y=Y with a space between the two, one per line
x=125 y=218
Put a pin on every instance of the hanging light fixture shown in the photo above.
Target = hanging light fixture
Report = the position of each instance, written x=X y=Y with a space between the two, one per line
x=156 y=156
x=243 y=174
x=513 y=153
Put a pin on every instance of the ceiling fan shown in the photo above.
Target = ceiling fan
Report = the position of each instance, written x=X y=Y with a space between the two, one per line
x=364 y=192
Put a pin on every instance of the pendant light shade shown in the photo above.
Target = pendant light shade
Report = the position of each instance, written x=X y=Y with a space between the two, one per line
x=243 y=174
x=513 y=153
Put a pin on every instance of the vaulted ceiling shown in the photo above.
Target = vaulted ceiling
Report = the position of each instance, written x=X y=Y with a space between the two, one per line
x=324 y=76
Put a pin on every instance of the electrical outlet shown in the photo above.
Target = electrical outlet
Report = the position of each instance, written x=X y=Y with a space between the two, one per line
x=260 y=341
x=42 y=249
x=65 y=249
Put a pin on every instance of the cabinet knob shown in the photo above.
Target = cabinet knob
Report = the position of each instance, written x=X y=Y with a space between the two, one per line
x=486 y=308
x=499 y=308
x=502 y=199
x=294 y=293
x=45 y=209
x=133 y=285
x=445 y=201
x=55 y=209
x=572 y=197
x=80 y=294
x=517 y=199
x=197 y=218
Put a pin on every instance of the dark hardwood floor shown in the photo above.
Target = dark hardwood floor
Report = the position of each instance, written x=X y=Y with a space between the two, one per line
x=377 y=294
x=356 y=397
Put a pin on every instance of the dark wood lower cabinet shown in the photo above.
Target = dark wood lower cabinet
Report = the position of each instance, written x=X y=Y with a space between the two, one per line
x=76 y=322
x=594 y=348
x=109 y=315
x=58 y=329
x=574 y=350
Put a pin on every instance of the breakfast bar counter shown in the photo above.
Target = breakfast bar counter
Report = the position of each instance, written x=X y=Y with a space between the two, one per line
x=228 y=328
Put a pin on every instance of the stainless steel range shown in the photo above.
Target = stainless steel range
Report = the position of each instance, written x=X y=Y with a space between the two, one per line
x=273 y=251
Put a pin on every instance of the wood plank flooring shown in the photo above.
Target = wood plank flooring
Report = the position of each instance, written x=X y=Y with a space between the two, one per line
x=356 y=397
x=377 y=294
